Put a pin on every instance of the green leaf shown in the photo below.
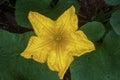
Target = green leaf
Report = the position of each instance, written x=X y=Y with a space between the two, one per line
x=94 y=30
x=15 y=67
x=97 y=65
x=100 y=16
x=11 y=44
x=115 y=21
x=112 y=2
x=42 y=6
x=112 y=43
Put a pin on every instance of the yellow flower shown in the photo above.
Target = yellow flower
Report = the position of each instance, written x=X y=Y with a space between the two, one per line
x=56 y=42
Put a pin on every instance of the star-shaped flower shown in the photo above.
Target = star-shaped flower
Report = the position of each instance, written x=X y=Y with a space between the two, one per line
x=56 y=41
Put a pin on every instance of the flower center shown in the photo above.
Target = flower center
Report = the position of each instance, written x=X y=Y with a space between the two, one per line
x=58 y=38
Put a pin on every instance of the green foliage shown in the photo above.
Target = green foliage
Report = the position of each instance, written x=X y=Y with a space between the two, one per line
x=94 y=30
x=112 y=43
x=12 y=43
x=112 y=2
x=101 y=64
x=42 y=6
x=100 y=16
x=15 y=67
x=115 y=21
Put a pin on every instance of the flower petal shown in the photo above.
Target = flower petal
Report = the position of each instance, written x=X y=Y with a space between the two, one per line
x=59 y=61
x=68 y=20
x=79 y=44
x=40 y=23
x=36 y=49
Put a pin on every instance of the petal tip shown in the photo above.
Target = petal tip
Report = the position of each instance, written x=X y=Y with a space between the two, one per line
x=93 y=47
x=25 y=55
x=72 y=8
x=30 y=14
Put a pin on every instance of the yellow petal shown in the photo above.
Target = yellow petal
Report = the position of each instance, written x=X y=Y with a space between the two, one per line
x=36 y=49
x=68 y=20
x=59 y=60
x=80 y=44
x=42 y=25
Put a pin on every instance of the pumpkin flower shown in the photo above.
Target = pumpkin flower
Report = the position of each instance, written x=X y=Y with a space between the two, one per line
x=56 y=41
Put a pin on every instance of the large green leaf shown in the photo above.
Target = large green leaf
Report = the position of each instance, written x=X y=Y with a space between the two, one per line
x=101 y=64
x=115 y=21
x=42 y=6
x=15 y=67
x=94 y=30
x=112 y=2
